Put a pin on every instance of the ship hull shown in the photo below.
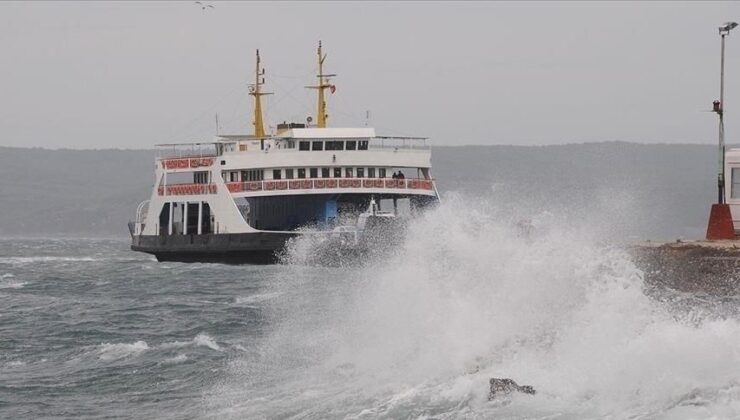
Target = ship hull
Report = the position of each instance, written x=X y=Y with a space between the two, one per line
x=231 y=248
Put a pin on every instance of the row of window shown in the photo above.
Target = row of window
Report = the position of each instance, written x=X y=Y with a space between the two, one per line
x=301 y=173
x=319 y=145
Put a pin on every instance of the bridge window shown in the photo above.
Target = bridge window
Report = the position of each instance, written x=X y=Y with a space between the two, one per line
x=325 y=172
x=304 y=145
x=348 y=172
x=317 y=146
x=371 y=172
x=314 y=172
x=360 y=172
x=351 y=145
x=362 y=145
x=301 y=172
x=337 y=172
x=276 y=174
x=381 y=172
x=289 y=173
x=334 y=145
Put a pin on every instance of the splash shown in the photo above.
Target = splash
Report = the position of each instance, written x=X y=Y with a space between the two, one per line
x=467 y=297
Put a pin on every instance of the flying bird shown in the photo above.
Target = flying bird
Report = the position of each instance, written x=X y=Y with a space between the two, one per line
x=204 y=6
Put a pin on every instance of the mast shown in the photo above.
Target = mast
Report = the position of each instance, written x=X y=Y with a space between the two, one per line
x=321 y=114
x=256 y=91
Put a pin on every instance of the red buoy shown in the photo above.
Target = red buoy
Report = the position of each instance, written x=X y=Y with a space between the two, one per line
x=720 y=223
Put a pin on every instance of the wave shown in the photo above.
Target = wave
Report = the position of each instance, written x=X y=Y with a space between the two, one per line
x=109 y=352
x=202 y=339
x=469 y=296
x=180 y=358
x=258 y=298
x=206 y=341
x=30 y=260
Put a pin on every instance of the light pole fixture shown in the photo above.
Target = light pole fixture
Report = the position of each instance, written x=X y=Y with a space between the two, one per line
x=718 y=107
x=721 y=226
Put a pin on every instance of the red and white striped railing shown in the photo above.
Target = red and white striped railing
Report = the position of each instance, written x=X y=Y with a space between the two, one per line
x=187 y=189
x=329 y=183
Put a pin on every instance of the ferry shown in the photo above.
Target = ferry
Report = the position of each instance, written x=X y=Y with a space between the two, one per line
x=241 y=198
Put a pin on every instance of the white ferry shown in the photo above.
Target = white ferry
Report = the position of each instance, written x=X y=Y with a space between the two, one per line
x=240 y=198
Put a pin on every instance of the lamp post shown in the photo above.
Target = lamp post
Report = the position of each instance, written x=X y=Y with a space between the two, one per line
x=719 y=107
x=721 y=226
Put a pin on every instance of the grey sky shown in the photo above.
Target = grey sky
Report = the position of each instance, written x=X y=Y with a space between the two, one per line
x=129 y=75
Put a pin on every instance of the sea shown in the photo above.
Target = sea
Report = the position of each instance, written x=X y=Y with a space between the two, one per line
x=90 y=329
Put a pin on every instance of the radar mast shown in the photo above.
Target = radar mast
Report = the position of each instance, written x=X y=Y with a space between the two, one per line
x=256 y=91
x=321 y=115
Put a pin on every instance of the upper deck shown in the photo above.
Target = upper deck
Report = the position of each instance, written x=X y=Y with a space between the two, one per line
x=303 y=146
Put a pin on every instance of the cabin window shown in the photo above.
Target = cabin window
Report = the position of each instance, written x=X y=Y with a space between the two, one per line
x=276 y=174
x=348 y=172
x=200 y=177
x=325 y=172
x=361 y=172
x=381 y=172
x=371 y=172
x=234 y=176
x=317 y=146
x=304 y=145
x=337 y=172
x=301 y=172
x=351 y=145
x=334 y=145
x=735 y=190
x=253 y=175
x=289 y=173
x=314 y=172
x=362 y=145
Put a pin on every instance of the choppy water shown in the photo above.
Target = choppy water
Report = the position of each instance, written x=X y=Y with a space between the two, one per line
x=90 y=329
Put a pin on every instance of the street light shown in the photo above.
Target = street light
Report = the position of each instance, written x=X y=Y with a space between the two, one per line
x=719 y=107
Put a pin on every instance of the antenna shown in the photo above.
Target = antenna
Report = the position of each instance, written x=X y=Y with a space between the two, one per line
x=324 y=83
x=217 y=124
x=256 y=91
x=367 y=118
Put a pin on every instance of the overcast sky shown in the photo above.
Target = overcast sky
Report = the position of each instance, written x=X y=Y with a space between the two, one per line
x=132 y=74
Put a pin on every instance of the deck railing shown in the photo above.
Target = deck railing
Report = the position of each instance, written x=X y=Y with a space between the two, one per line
x=187 y=189
x=186 y=163
x=330 y=183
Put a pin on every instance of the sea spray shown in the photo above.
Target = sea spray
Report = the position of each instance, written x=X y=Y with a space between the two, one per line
x=467 y=297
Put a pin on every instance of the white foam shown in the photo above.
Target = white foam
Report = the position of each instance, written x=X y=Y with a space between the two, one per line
x=175 y=360
x=467 y=299
x=206 y=341
x=258 y=298
x=12 y=284
x=41 y=259
x=108 y=351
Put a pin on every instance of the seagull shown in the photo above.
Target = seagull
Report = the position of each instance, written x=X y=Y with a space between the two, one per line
x=204 y=6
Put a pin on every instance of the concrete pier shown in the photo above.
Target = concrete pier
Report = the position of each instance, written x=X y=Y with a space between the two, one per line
x=711 y=267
